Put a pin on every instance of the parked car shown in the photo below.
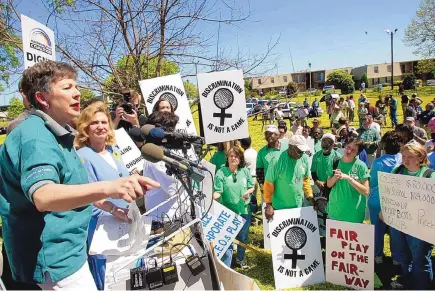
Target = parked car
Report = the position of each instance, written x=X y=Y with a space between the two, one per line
x=288 y=109
x=249 y=108
x=282 y=92
x=430 y=82
x=328 y=88
x=312 y=90
x=252 y=100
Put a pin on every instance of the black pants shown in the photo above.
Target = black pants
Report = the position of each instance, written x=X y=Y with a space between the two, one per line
x=9 y=282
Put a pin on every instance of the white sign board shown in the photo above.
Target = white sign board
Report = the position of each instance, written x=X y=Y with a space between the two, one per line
x=223 y=106
x=350 y=254
x=221 y=226
x=38 y=42
x=407 y=204
x=296 y=253
x=266 y=235
x=130 y=153
x=171 y=89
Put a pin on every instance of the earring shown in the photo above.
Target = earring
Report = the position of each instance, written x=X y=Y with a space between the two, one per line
x=48 y=106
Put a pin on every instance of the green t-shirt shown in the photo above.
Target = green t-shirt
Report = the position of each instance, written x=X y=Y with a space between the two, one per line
x=267 y=155
x=317 y=146
x=322 y=164
x=370 y=135
x=345 y=202
x=219 y=159
x=287 y=174
x=420 y=172
x=232 y=188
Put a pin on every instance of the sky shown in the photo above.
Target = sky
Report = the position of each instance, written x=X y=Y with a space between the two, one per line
x=329 y=34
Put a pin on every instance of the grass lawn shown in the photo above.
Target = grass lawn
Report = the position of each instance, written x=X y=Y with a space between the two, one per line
x=262 y=270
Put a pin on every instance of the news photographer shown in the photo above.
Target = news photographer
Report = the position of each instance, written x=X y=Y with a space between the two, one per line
x=127 y=113
x=46 y=201
x=95 y=141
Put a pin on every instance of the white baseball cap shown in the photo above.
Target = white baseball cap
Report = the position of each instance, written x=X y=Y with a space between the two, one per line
x=300 y=142
x=272 y=128
x=329 y=135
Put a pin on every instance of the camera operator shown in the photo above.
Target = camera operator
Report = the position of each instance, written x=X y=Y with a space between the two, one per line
x=170 y=186
x=127 y=113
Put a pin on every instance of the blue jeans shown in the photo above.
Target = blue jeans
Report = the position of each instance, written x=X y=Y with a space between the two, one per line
x=393 y=116
x=242 y=237
x=414 y=256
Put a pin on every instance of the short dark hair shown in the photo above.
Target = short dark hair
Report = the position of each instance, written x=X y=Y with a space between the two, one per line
x=167 y=120
x=307 y=127
x=246 y=142
x=405 y=128
x=358 y=142
x=391 y=141
x=239 y=154
x=41 y=76
x=157 y=105
x=342 y=121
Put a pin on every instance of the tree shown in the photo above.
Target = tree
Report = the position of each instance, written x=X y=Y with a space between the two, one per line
x=364 y=79
x=426 y=66
x=16 y=107
x=191 y=90
x=341 y=80
x=292 y=88
x=409 y=81
x=420 y=33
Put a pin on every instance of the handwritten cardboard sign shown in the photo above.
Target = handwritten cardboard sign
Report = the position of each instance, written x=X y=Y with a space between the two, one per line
x=350 y=254
x=296 y=254
x=220 y=227
x=407 y=204
x=223 y=106
x=130 y=153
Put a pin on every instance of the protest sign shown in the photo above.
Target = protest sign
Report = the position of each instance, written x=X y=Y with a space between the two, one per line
x=171 y=89
x=350 y=254
x=407 y=204
x=296 y=253
x=223 y=106
x=207 y=183
x=220 y=227
x=38 y=42
x=130 y=153
x=266 y=234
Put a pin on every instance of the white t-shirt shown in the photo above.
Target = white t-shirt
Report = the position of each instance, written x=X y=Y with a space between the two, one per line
x=376 y=126
x=279 y=114
x=302 y=112
x=109 y=159
x=169 y=187
x=351 y=104
x=251 y=160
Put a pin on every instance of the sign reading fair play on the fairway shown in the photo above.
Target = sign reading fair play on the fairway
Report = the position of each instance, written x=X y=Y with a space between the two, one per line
x=223 y=107
x=171 y=89
x=296 y=253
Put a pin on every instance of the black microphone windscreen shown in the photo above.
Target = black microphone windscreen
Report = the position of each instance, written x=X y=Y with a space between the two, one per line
x=136 y=134
x=152 y=153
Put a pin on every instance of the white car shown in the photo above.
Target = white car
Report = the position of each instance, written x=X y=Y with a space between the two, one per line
x=249 y=108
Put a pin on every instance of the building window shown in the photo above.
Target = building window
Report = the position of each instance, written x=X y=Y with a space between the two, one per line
x=285 y=78
x=402 y=66
x=389 y=68
x=259 y=81
x=376 y=69
x=272 y=80
x=320 y=76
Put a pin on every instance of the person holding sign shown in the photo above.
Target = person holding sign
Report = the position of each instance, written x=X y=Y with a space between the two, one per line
x=95 y=140
x=233 y=186
x=46 y=207
x=288 y=178
x=412 y=251
x=350 y=185
x=390 y=143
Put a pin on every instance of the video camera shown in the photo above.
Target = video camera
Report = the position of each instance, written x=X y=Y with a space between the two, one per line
x=127 y=106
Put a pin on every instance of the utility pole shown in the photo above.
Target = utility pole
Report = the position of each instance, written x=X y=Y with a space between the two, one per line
x=392 y=33
x=309 y=65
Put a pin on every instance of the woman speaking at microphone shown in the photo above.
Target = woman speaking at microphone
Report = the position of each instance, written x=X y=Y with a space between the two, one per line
x=233 y=186
x=95 y=140
x=47 y=198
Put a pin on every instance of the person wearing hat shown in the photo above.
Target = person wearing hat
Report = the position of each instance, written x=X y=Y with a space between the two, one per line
x=283 y=132
x=269 y=152
x=420 y=134
x=288 y=178
x=370 y=108
x=349 y=185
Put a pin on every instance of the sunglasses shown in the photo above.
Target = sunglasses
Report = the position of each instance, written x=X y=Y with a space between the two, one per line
x=298 y=151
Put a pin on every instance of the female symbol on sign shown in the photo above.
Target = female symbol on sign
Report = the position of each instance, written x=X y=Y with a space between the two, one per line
x=171 y=99
x=223 y=99
x=295 y=239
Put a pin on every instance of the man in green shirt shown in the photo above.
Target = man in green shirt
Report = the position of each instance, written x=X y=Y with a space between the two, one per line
x=317 y=135
x=269 y=152
x=371 y=138
x=288 y=178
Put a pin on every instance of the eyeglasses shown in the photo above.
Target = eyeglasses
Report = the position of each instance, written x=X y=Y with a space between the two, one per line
x=234 y=178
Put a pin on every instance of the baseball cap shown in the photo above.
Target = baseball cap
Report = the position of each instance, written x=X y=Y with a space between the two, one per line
x=329 y=135
x=299 y=141
x=272 y=128
x=410 y=118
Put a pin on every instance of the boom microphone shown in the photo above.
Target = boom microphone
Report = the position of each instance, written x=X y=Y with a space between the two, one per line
x=157 y=134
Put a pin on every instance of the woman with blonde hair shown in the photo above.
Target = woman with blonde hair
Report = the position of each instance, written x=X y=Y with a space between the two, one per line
x=95 y=140
x=413 y=254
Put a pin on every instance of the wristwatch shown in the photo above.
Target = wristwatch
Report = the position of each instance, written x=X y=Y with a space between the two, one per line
x=113 y=209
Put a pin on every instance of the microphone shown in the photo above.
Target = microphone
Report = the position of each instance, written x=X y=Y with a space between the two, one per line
x=154 y=154
x=168 y=153
x=158 y=134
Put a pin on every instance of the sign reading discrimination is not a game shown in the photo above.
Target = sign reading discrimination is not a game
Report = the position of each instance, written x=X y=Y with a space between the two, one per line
x=296 y=253
x=170 y=88
x=38 y=42
x=350 y=254
x=223 y=106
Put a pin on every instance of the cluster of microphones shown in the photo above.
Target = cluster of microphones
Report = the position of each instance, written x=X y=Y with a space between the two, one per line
x=152 y=151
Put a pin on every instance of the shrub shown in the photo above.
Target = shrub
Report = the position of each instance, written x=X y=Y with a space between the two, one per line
x=342 y=80
x=318 y=93
x=409 y=81
x=292 y=88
